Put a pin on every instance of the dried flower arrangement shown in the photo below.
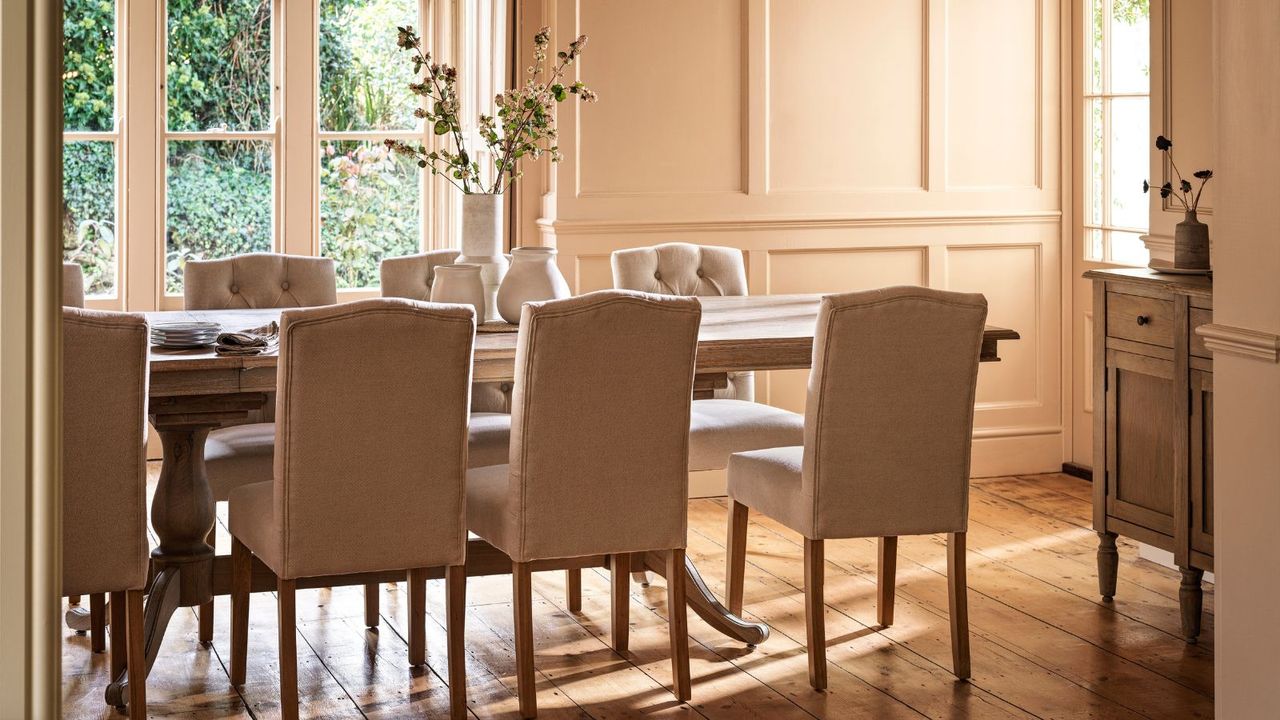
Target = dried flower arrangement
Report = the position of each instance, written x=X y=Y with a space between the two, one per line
x=525 y=125
x=1183 y=191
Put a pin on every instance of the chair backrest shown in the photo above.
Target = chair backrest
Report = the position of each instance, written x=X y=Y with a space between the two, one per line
x=72 y=285
x=686 y=269
x=104 y=438
x=371 y=436
x=259 y=280
x=600 y=424
x=889 y=414
x=412 y=276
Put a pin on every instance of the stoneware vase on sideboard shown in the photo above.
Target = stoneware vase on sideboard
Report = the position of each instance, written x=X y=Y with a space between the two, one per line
x=482 y=243
x=459 y=284
x=1191 y=244
x=533 y=276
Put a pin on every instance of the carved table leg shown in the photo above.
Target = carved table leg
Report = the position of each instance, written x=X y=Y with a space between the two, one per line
x=699 y=597
x=1191 y=601
x=182 y=515
x=1108 y=565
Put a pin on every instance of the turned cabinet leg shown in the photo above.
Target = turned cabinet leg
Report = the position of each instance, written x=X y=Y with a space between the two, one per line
x=886 y=579
x=1191 y=601
x=1108 y=565
x=736 y=559
x=814 y=617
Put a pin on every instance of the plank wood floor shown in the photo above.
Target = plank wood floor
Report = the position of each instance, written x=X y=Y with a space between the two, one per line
x=1043 y=644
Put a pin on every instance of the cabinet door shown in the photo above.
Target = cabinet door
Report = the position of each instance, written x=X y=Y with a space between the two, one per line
x=1142 y=418
x=1202 y=461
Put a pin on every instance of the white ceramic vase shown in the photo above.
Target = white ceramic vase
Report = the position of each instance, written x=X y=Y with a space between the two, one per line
x=460 y=284
x=482 y=242
x=533 y=276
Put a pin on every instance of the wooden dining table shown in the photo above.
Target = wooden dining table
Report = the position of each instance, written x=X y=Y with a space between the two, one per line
x=195 y=391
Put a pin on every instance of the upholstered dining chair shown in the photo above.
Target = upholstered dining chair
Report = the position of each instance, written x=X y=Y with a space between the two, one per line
x=241 y=454
x=104 y=477
x=412 y=276
x=72 y=285
x=887 y=437
x=375 y=487
x=599 y=454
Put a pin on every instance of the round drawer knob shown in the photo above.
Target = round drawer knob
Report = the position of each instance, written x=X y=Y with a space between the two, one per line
x=1143 y=319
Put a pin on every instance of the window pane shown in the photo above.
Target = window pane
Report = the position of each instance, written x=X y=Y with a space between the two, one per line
x=1094 y=162
x=88 y=64
x=1128 y=248
x=1093 y=249
x=219 y=65
x=370 y=208
x=89 y=212
x=1095 y=17
x=1130 y=46
x=364 y=77
x=1130 y=164
x=219 y=202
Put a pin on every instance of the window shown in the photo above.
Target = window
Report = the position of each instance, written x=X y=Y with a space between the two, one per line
x=220 y=131
x=91 y=151
x=1117 y=130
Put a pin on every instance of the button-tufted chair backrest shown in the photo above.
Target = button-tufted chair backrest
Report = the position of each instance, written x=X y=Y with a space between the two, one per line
x=412 y=276
x=259 y=280
x=687 y=269
x=72 y=285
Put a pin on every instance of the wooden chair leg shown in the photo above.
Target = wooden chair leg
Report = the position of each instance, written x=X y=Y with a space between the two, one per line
x=620 y=622
x=958 y=597
x=573 y=589
x=98 y=622
x=814 y=619
x=455 y=626
x=241 y=584
x=371 y=607
x=417 y=616
x=736 y=560
x=206 y=609
x=119 y=634
x=135 y=654
x=286 y=593
x=885 y=581
x=522 y=605
x=678 y=625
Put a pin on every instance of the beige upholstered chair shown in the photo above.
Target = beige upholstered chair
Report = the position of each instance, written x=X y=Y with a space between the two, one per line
x=729 y=422
x=888 y=431
x=72 y=285
x=599 y=453
x=375 y=487
x=104 y=477
x=413 y=276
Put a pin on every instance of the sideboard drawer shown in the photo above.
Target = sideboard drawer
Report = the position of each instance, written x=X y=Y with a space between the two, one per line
x=1141 y=319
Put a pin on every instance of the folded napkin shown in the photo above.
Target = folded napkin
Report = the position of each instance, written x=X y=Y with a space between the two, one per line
x=254 y=341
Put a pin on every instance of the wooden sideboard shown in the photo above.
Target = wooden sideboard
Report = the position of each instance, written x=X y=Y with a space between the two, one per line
x=1153 y=424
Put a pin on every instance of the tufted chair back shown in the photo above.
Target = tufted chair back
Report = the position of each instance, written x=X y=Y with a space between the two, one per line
x=687 y=269
x=104 y=453
x=411 y=277
x=72 y=285
x=888 y=422
x=259 y=280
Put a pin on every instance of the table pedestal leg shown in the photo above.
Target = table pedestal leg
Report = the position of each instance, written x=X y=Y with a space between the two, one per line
x=700 y=598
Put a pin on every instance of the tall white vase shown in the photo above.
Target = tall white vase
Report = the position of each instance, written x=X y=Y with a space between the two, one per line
x=482 y=245
x=533 y=276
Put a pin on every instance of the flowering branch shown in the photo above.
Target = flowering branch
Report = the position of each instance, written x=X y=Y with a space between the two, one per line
x=1183 y=192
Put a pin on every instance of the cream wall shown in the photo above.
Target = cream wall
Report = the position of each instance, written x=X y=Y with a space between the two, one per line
x=1246 y=299
x=843 y=144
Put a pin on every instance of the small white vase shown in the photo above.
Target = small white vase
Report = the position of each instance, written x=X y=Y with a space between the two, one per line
x=482 y=242
x=459 y=284
x=533 y=276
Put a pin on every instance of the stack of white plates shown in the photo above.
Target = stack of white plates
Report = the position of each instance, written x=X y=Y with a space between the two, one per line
x=184 y=334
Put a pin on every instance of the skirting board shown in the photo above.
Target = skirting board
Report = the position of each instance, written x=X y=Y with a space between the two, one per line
x=1163 y=558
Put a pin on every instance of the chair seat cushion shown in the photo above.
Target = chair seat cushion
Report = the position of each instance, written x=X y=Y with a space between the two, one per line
x=239 y=455
x=719 y=428
x=488 y=509
x=490 y=439
x=768 y=481
x=252 y=519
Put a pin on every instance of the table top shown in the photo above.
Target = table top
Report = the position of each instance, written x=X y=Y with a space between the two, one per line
x=1201 y=285
x=762 y=332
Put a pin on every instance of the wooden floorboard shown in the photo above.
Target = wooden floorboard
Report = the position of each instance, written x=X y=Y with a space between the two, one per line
x=1044 y=644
